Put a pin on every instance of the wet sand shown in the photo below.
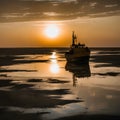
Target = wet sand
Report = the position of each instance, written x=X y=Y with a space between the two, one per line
x=28 y=98
x=91 y=117
x=44 y=93
x=23 y=95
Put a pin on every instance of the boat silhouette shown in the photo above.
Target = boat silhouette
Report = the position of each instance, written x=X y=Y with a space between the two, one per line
x=77 y=52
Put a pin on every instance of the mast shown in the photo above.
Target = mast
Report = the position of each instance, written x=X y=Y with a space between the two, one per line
x=73 y=38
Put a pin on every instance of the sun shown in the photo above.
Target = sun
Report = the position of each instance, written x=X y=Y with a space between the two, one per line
x=51 y=30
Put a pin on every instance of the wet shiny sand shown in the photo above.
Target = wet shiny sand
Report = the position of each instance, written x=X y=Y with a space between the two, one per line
x=40 y=84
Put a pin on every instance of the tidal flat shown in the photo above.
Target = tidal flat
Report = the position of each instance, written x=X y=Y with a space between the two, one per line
x=39 y=84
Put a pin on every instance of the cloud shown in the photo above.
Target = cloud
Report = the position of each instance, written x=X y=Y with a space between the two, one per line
x=29 y=10
x=61 y=1
x=51 y=14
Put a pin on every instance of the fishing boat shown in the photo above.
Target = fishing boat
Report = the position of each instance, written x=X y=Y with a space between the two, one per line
x=78 y=52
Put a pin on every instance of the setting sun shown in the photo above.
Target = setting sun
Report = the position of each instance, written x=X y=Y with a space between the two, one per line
x=51 y=30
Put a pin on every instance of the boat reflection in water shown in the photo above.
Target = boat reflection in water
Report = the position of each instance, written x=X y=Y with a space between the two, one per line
x=79 y=70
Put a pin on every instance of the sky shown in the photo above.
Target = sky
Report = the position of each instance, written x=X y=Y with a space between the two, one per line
x=23 y=22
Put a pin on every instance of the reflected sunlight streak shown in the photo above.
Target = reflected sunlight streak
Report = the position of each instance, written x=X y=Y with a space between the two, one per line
x=54 y=67
x=53 y=56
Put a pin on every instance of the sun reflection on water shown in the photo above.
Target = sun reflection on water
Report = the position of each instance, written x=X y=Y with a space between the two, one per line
x=53 y=56
x=54 y=67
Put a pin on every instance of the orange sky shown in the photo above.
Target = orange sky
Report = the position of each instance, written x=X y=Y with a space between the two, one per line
x=96 y=28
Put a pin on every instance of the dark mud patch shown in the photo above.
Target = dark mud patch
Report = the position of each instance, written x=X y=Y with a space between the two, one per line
x=4 y=70
x=12 y=60
x=55 y=92
x=56 y=81
x=29 y=98
x=91 y=117
x=107 y=60
x=35 y=80
x=4 y=83
x=21 y=86
x=108 y=74
x=3 y=75
x=6 y=114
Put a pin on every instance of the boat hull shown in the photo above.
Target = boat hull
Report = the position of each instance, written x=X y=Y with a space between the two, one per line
x=79 y=59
